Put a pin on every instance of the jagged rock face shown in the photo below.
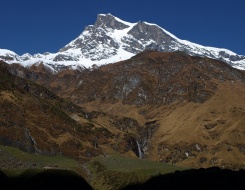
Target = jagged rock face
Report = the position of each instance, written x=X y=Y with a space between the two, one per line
x=143 y=33
x=109 y=21
x=95 y=43
x=111 y=39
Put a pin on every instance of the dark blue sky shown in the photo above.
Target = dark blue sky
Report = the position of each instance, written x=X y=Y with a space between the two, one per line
x=38 y=26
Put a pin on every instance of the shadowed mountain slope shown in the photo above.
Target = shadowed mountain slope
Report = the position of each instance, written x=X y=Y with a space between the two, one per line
x=35 y=120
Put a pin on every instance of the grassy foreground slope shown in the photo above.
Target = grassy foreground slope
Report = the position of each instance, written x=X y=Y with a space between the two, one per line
x=103 y=172
x=14 y=162
x=115 y=171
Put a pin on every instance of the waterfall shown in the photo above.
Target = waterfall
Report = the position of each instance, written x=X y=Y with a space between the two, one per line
x=31 y=138
x=139 y=150
x=33 y=142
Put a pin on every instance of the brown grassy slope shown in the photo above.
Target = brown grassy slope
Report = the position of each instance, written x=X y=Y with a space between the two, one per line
x=202 y=135
x=193 y=134
x=200 y=112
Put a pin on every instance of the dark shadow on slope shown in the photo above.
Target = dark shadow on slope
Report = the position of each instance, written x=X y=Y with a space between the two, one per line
x=3 y=179
x=48 y=180
x=201 y=179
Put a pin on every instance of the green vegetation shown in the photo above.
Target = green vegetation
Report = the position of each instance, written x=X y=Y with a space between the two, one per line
x=125 y=164
x=32 y=164
x=115 y=171
x=109 y=172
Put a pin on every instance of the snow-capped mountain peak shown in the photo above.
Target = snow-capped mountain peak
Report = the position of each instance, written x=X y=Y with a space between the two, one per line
x=9 y=56
x=110 y=21
x=111 y=39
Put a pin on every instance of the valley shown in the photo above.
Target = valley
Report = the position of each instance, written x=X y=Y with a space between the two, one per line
x=140 y=110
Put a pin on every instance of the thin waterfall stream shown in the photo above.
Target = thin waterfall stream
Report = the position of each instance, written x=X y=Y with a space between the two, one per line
x=139 y=150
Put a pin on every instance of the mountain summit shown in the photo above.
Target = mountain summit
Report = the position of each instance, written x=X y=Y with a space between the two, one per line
x=111 y=39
